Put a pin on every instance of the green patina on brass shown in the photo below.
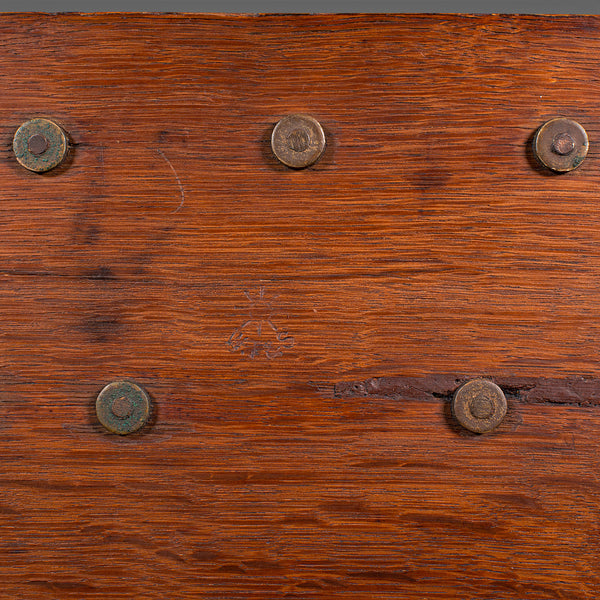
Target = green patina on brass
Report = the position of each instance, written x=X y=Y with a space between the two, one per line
x=123 y=407
x=40 y=145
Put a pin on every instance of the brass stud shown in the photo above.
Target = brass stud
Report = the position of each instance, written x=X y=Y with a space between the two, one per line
x=123 y=407
x=479 y=405
x=561 y=144
x=298 y=141
x=40 y=145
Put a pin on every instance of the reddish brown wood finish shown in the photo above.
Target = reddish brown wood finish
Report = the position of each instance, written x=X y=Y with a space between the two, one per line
x=259 y=306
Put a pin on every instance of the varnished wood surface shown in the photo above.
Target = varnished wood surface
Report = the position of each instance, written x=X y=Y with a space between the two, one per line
x=300 y=332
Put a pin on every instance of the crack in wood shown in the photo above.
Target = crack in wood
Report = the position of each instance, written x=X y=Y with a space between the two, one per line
x=574 y=391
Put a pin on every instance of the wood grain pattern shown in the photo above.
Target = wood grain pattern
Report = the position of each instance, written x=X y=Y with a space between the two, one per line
x=300 y=332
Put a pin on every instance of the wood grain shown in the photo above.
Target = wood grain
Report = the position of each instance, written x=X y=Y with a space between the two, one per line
x=300 y=332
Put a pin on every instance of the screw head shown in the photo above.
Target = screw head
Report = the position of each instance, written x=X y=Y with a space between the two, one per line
x=298 y=141
x=479 y=405
x=561 y=144
x=40 y=145
x=123 y=407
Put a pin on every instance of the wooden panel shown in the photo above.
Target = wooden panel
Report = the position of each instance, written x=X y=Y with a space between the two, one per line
x=301 y=333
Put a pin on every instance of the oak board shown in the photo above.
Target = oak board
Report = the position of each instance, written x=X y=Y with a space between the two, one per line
x=300 y=332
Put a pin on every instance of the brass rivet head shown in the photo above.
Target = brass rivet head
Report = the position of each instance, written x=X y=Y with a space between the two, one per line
x=123 y=407
x=479 y=405
x=37 y=144
x=40 y=145
x=561 y=144
x=298 y=141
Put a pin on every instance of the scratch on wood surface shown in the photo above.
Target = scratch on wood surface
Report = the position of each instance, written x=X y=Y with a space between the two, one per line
x=181 y=190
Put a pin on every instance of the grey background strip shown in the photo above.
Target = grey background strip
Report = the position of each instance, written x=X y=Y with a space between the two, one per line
x=307 y=6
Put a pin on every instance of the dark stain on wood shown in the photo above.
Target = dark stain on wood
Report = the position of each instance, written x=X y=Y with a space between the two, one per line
x=103 y=273
x=102 y=327
x=431 y=178
x=86 y=229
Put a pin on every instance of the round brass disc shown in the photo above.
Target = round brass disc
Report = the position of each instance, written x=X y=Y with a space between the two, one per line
x=123 y=407
x=40 y=145
x=479 y=405
x=561 y=144
x=298 y=141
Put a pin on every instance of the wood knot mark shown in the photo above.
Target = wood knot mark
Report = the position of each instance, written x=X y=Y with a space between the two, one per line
x=259 y=335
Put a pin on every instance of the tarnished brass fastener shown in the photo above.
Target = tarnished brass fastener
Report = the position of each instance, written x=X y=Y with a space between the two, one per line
x=561 y=144
x=123 y=407
x=479 y=405
x=298 y=141
x=40 y=145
